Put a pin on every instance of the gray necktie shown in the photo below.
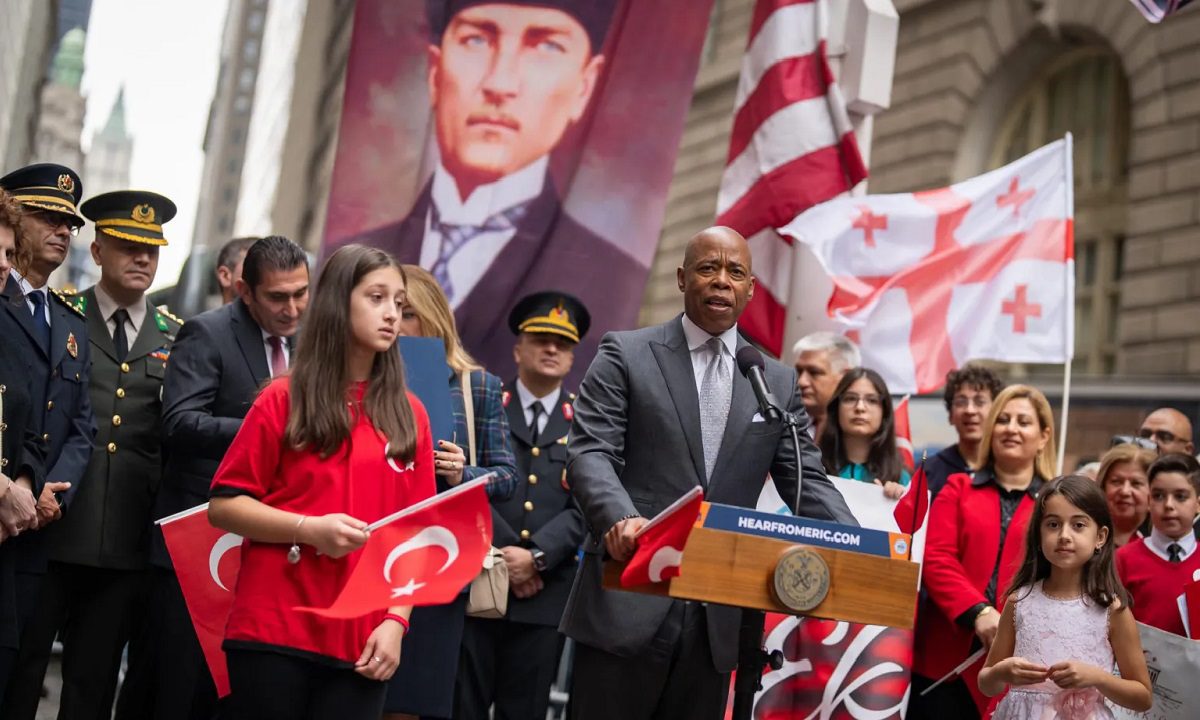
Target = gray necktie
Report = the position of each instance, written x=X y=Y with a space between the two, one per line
x=716 y=389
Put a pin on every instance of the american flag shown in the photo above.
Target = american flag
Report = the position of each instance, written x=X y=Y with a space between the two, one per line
x=792 y=147
x=1156 y=10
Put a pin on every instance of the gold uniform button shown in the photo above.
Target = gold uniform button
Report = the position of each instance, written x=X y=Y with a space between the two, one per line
x=528 y=506
x=524 y=534
x=536 y=451
x=45 y=437
x=50 y=405
x=532 y=479
x=3 y=462
x=120 y=392
x=112 y=448
x=124 y=367
x=2 y=388
x=117 y=420
x=3 y=426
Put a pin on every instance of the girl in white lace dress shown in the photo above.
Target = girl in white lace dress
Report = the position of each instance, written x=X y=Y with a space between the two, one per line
x=1066 y=619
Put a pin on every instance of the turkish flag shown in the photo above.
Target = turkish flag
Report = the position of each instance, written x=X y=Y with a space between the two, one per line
x=903 y=432
x=1191 y=594
x=423 y=555
x=913 y=507
x=661 y=541
x=926 y=281
x=207 y=571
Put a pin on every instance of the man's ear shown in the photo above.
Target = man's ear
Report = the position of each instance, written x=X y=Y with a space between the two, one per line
x=679 y=278
x=225 y=277
x=95 y=248
x=243 y=290
x=433 y=55
x=588 y=80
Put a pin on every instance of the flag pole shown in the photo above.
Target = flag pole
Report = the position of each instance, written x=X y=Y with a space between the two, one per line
x=1069 y=304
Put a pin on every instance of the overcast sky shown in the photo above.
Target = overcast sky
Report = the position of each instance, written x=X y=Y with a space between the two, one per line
x=166 y=54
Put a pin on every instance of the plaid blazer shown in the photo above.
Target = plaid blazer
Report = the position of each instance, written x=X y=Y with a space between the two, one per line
x=492 y=448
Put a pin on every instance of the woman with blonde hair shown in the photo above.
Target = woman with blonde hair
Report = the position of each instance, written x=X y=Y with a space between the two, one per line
x=975 y=544
x=1123 y=478
x=424 y=684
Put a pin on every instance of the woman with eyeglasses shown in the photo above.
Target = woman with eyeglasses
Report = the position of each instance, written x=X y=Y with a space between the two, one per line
x=1122 y=477
x=975 y=544
x=861 y=444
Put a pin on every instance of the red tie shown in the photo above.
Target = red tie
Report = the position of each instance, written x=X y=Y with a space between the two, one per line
x=278 y=359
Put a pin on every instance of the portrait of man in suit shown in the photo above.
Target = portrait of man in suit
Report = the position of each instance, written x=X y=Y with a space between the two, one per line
x=506 y=82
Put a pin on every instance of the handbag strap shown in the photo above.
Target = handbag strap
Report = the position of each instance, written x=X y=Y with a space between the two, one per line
x=469 y=411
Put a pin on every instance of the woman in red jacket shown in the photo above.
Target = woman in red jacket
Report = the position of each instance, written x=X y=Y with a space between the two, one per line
x=332 y=446
x=975 y=544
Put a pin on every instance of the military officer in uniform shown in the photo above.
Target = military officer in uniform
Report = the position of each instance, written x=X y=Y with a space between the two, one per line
x=98 y=553
x=49 y=331
x=511 y=662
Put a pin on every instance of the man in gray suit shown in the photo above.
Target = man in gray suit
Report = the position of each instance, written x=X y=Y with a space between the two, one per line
x=661 y=410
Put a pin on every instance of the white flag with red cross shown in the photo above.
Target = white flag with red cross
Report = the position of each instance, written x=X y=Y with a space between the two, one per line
x=983 y=269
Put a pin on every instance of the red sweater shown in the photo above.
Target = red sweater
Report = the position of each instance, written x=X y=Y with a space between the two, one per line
x=1155 y=584
x=357 y=480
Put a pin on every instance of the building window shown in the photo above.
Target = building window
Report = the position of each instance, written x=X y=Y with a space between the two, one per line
x=1083 y=92
x=709 y=50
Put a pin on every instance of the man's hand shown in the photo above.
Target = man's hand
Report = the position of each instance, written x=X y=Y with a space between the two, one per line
x=520 y=564
x=529 y=588
x=48 y=509
x=620 y=540
x=18 y=510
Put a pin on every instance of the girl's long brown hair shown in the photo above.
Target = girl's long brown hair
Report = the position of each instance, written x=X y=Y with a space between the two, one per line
x=319 y=416
x=1100 y=581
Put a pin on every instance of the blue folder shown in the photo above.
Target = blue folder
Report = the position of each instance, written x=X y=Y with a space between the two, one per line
x=428 y=377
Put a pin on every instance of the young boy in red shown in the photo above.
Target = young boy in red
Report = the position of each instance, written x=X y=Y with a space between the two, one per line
x=1155 y=569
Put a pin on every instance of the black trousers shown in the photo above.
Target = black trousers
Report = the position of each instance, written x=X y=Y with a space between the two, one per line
x=167 y=677
x=273 y=686
x=673 y=679
x=510 y=664
x=42 y=605
x=951 y=699
x=93 y=610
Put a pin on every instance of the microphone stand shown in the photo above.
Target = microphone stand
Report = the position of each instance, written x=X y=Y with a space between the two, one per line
x=752 y=656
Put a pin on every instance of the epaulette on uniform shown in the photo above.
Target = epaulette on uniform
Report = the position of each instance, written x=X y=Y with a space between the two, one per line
x=68 y=301
x=163 y=309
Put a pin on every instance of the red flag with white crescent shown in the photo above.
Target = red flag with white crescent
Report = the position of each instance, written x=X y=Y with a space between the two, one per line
x=206 y=561
x=904 y=441
x=423 y=555
x=660 y=543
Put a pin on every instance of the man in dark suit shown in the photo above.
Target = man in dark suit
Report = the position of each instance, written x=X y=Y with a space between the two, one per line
x=219 y=361
x=93 y=588
x=43 y=326
x=660 y=411
x=511 y=661
x=506 y=82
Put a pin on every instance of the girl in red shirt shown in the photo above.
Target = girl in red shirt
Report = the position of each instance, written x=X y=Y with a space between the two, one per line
x=323 y=452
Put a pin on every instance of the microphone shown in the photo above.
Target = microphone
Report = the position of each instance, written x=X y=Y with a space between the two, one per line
x=750 y=363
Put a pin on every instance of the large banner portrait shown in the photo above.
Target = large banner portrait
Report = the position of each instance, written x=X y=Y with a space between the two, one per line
x=511 y=147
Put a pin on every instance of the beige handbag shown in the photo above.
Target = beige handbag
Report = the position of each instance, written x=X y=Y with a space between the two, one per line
x=489 y=589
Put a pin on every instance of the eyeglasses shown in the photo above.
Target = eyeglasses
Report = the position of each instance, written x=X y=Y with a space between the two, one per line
x=1162 y=436
x=1133 y=440
x=55 y=220
x=979 y=402
x=852 y=399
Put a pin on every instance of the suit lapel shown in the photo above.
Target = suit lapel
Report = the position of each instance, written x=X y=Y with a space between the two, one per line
x=97 y=327
x=516 y=415
x=149 y=337
x=60 y=330
x=557 y=424
x=742 y=407
x=14 y=304
x=250 y=341
x=675 y=363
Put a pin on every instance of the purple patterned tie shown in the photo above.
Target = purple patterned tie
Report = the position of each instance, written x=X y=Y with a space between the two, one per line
x=455 y=237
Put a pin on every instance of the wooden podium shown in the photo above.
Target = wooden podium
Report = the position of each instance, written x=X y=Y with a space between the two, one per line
x=739 y=569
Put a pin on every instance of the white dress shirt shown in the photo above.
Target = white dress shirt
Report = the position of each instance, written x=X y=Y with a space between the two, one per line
x=107 y=306
x=468 y=266
x=27 y=289
x=548 y=402
x=1158 y=543
x=287 y=351
x=697 y=339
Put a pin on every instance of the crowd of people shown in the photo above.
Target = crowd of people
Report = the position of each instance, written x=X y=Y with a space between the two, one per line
x=288 y=412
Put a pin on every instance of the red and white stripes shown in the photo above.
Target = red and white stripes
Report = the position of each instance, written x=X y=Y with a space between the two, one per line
x=791 y=147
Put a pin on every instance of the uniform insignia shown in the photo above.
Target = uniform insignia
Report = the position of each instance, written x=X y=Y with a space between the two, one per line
x=66 y=183
x=162 y=353
x=161 y=322
x=143 y=213
x=69 y=302
x=162 y=309
x=505 y=398
x=568 y=411
x=563 y=482
x=80 y=303
x=562 y=440
x=72 y=346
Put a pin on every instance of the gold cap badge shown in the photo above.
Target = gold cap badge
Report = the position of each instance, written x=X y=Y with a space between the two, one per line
x=66 y=183
x=143 y=213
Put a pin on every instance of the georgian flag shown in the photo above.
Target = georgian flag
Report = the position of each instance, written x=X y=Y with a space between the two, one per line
x=926 y=281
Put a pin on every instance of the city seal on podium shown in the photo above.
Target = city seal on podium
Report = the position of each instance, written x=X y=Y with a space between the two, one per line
x=801 y=579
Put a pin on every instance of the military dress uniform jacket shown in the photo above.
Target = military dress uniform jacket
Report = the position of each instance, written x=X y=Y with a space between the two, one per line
x=58 y=384
x=541 y=512
x=109 y=524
